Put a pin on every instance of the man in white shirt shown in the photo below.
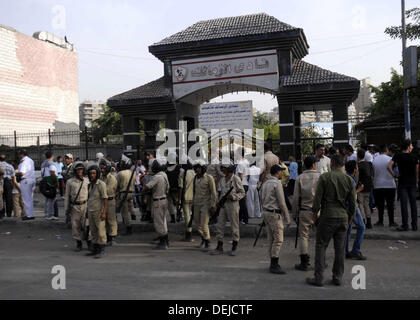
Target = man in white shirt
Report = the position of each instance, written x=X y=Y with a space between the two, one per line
x=323 y=162
x=26 y=174
x=252 y=197
x=242 y=171
x=383 y=187
x=49 y=173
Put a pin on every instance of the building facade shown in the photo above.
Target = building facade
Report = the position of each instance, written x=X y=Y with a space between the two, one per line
x=90 y=111
x=38 y=83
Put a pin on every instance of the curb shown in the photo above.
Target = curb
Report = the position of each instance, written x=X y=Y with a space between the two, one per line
x=246 y=231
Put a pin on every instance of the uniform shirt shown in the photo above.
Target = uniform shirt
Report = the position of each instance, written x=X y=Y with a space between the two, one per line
x=9 y=171
x=270 y=159
x=27 y=167
x=159 y=185
x=272 y=197
x=243 y=167
x=67 y=172
x=47 y=167
x=323 y=165
x=123 y=178
x=205 y=191
x=304 y=192
x=72 y=188
x=333 y=191
x=382 y=178
x=238 y=191
x=111 y=185
x=189 y=180
x=97 y=193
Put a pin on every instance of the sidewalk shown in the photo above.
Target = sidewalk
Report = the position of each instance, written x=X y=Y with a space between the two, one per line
x=247 y=231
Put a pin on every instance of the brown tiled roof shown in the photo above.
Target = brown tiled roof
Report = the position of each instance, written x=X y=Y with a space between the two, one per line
x=304 y=73
x=252 y=24
x=154 y=89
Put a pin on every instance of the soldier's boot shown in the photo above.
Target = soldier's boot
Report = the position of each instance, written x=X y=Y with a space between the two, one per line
x=173 y=218
x=166 y=238
x=94 y=251
x=314 y=282
x=90 y=246
x=148 y=216
x=179 y=217
x=275 y=267
x=202 y=244
x=368 y=223
x=79 y=246
x=133 y=216
x=109 y=240
x=304 y=263
x=219 y=249
x=188 y=236
x=206 y=246
x=129 y=230
x=162 y=243
x=143 y=217
x=100 y=253
x=234 y=247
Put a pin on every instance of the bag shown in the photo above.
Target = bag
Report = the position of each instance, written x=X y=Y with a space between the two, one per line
x=47 y=189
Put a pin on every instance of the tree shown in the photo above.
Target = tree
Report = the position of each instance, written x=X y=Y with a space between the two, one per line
x=388 y=96
x=412 y=28
x=108 y=124
x=308 y=146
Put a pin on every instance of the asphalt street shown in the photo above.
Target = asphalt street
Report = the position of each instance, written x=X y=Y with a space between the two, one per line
x=133 y=269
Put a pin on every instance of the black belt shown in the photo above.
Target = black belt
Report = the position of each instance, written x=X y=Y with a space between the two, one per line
x=111 y=198
x=157 y=199
x=79 y=202
x=273 y=210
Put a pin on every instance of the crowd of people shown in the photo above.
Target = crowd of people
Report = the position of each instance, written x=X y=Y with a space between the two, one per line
x=338 y=190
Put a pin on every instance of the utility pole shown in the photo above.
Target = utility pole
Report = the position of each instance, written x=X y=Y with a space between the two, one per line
x=406 y=97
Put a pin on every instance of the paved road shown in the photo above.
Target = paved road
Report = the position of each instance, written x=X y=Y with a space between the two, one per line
x=132 y=269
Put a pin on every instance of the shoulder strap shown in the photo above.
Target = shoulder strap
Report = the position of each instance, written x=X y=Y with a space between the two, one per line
x=78 y=192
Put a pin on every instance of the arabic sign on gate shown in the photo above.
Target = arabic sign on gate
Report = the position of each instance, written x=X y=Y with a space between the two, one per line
x=226 y=115
x=258 y=68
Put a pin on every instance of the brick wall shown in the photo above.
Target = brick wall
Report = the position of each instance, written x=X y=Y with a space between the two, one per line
x=38 y=84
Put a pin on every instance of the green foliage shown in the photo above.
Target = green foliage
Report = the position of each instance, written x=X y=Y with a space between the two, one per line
x=108 y=124
x=262 y=121
x=412 y=28
x=388 y=96
x=308 y=145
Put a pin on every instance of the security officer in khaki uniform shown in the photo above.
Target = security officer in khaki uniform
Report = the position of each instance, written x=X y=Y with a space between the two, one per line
x=123 y=179
x=75 y=204
x=111 y=188
x=231 y=208
x=270 y=159
x=97 y=206
x=160 y=188
x=303 y=196
x=204 y=202
x=274 y=211
x=186 y=193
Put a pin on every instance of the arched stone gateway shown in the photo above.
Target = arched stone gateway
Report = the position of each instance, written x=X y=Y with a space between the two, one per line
x=254 y=52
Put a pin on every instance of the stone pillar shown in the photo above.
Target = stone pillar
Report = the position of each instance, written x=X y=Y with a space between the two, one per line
x=131 y=133
x=340 y=125
x=287 y=132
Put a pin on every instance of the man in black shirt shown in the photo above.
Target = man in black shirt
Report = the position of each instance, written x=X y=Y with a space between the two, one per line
x=365 y=179
x=408 y=167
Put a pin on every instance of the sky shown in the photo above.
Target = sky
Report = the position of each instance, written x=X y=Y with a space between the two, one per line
x=112 y=37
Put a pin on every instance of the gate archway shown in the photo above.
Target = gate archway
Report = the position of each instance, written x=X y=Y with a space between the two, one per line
x=254 y=52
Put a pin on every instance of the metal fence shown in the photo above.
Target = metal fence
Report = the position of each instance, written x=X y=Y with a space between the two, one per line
x=81 y=144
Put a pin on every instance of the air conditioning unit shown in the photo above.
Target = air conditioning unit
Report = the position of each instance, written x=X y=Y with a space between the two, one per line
x=52 y=38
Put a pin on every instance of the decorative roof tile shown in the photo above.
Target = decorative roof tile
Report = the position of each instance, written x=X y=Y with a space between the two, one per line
x=154 y=89
x=304 y=73
x=252 y=24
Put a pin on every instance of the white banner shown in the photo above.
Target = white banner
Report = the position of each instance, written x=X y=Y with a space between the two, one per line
x=258 y=68
x=226 y=115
